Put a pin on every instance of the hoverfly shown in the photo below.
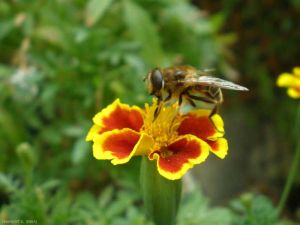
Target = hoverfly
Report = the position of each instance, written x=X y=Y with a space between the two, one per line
x=186 y=82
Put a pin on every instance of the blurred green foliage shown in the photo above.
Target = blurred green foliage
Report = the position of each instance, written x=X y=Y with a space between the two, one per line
x=60 y=63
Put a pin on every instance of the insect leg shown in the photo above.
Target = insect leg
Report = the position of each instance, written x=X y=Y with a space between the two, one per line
x=218 y=96
x=215 y=94
x=191 y=102
x=180 y=98
x=210 y=100
x=207 y=100
x=158 y=107
x=214 y=110
x=202 y=98
x=169 y=95
x=181 y=95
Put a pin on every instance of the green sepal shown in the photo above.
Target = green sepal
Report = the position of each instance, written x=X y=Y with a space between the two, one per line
x=161 y=196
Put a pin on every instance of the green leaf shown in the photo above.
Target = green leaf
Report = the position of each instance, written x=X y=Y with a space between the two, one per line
x=5 y=28
x=8 y=126
x=80 y=150
x=144 y=31
x=95 y=9
x=7 y=186
x=105 y=197
x=50 y=34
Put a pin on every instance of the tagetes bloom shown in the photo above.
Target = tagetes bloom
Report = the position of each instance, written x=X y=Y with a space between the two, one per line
x=291 y=81
x=177 y=141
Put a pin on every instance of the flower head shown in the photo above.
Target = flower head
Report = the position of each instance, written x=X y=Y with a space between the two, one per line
x=291 y=81
x=176 y=141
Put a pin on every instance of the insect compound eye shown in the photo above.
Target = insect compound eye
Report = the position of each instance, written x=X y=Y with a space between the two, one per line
x=156 y=80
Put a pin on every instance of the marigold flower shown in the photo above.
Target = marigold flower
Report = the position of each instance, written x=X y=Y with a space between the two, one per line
x=177 y=141
x=291 y=81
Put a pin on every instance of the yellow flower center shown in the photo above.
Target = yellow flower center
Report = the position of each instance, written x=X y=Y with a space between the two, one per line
x=163 y=127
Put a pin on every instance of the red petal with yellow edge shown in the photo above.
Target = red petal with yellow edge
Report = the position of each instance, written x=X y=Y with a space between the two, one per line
x=119 y=116
x=219 y=147
x=116 y=145
x=177 y=158
x=199 y=124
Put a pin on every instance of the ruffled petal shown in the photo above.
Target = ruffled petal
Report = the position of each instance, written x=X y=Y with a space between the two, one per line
x=92 y=132
x=199 y=124
x=116 y=145
x=119 y=116
x=219 y=147
x=144 y=145
x=181 y=155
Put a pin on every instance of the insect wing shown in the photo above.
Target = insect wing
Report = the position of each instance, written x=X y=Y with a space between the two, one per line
x=216 y=82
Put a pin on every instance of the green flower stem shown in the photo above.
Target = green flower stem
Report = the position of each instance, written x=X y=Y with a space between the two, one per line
x=293 y=169
x=161 y=196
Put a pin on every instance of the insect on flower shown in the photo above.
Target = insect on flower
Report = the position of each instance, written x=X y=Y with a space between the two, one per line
x=177 y=141
x=186 y=82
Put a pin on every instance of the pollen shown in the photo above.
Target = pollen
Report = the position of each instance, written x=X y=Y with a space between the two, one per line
x=163 y=128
